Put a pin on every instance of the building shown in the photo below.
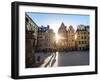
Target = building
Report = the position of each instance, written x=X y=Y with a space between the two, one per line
x=41 y=38
x=71 y=38
x=82 y=40
x=46 y=38
x=88 y=36
x=62 y=42
x=50 y=40
x=31 y=31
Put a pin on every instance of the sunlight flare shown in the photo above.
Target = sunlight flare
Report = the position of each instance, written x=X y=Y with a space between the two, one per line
x=75 y=36
x=57 y=38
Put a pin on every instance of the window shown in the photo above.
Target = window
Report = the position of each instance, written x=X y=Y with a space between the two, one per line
x=79 y=42
x=84 y=32
x=79 y=48
x=84 y=37
x=83 y=48
x=82 y=42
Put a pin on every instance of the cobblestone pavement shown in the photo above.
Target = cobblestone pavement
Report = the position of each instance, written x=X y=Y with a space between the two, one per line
x=73 y=58
x=64 y=58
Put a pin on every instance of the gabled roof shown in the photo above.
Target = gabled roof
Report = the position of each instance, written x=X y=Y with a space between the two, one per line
x=82 y=28
x=70 y=28
x=62 y=27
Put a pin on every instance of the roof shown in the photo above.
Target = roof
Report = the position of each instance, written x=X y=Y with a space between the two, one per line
x=82 y=28
x=71 y=28
x=30 y=19
x=42 y=29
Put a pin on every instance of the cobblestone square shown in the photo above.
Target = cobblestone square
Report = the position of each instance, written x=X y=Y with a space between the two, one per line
x=75 y=58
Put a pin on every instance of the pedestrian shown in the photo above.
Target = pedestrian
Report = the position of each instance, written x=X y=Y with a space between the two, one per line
x=38 y=58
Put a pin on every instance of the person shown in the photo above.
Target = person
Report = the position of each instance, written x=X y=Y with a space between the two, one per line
x=38 y=58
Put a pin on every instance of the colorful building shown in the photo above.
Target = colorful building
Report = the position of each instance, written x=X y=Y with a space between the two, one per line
x=62 y=42
x=82 y=40
x=71 y=38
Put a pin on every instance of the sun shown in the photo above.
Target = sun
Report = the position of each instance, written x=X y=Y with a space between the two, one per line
x=75 y=36
x=57 y=38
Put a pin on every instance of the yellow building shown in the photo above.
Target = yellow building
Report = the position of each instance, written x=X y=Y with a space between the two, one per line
x=82 y=40
x=71 y=38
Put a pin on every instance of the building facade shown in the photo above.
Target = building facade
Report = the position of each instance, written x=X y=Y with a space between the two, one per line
x=31 y=32
x=71 y=38
x=51 y=39
x=41 y=38
x=63 y=38
x=82 y=40
x=46 y=38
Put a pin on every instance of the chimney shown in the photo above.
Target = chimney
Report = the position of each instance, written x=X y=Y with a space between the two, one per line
x=41 y=25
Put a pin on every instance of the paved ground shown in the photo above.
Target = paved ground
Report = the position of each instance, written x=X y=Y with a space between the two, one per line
x=73 y=58
x=43 y=56
x=64 y=58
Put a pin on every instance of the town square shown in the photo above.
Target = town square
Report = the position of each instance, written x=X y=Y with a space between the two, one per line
x=56 y=45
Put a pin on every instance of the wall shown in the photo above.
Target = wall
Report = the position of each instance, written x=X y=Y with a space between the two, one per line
x=5 y=40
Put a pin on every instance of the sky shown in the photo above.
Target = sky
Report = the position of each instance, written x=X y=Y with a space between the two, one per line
x=55 y=19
